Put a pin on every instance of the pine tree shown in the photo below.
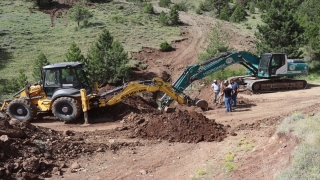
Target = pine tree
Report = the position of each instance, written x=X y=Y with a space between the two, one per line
x=224 y=15
x=22 y=79
x=309 y=17
x=117 y=60
x=163 y=18
x=252 y=8
x=218 y=5
x=74 y=54
x=239 y=14
x=96 y=68
x=37 y=65
x=106 y=60
x=174 y=15
x=79 y=13
x=281 y=32
x=218 y=43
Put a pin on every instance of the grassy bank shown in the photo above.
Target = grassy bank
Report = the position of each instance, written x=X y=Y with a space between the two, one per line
x=24 y=34
x=306 y=156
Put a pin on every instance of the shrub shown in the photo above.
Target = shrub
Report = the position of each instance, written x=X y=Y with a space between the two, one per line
x=253 y=17
x=248 y=27
x=148 y=8
x=165 y=46
x=198 y=10
x=163 y=20
x=182 y=6
x=173 y=17
x=164 y=3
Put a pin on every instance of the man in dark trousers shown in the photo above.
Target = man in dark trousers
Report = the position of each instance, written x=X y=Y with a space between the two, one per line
x=227 y=97
x=235 y=88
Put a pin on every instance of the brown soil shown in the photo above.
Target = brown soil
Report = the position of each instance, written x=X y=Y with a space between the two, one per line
x=133 y=140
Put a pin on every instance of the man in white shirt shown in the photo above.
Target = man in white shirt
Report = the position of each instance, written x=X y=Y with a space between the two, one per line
x=216 y=88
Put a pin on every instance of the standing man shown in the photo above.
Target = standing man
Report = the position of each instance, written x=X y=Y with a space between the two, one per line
x=227 y=97
x=216 y=88
x=235 y=88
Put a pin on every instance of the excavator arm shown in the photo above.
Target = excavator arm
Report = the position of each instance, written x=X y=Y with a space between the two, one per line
x=201 y=70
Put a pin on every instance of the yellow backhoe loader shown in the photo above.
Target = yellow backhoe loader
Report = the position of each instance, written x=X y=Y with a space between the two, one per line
x=64 y=90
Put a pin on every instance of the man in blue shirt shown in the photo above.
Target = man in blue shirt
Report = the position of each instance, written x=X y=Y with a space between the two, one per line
x=235 y=88
x=227 y=92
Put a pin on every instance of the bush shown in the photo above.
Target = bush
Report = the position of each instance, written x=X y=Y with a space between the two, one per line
x=248 y=27
x=165 y=46
x=198 y=10
x=148 y=8
x=253 y=17
x=173 y=17
x=182 y=6
x=163 y=20
x=164 y=3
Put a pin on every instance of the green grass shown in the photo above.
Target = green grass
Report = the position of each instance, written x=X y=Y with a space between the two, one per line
x=24 y=35
x=306 y=156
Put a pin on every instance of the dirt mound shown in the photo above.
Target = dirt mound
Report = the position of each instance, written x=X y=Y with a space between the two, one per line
x=179 y=126
x=32 y=152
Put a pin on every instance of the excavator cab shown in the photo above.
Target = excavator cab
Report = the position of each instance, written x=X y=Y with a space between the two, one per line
x=271 y=63
x=64 y=79
x=274 y=65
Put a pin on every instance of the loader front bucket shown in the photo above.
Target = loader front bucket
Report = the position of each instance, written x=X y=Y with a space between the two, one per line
x=202 y=104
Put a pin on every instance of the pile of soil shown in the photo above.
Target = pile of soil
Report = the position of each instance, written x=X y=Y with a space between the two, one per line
x=179 y=126
x=32 y=152
x=142 y=119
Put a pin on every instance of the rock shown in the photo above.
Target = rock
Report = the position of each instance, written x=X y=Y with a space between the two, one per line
x=14 y=122
x=143 y=172
x=4 y=138
x=75 y=165
x=31 y=164
x=99 y=149
x=29 y=126
x=13 y=133
x=62 y=165
x=29 y=176
x=68 y=133
x=55 y=171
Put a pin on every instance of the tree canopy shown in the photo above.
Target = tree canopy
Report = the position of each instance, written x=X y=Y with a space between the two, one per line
x=79 y=13
x=281 y=32
x=107 y=60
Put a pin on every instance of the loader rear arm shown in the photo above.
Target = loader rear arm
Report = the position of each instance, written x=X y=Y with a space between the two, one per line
x=157 y=85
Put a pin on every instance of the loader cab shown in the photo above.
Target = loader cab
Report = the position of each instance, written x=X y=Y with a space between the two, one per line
x=65 y=78
x=272 y=64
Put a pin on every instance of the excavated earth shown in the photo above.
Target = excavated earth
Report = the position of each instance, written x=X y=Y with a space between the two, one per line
x=34 y=152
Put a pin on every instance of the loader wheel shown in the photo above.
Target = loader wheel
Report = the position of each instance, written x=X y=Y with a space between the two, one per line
x=22 y=109
x=66 y=109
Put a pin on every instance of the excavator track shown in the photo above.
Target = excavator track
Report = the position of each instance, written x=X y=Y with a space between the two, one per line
x=275 y=85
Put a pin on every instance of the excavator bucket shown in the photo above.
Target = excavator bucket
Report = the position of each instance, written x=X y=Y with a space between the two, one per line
x=202 y=104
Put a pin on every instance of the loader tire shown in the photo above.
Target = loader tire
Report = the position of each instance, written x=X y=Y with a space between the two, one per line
x=22 y=109
x=66 y=109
